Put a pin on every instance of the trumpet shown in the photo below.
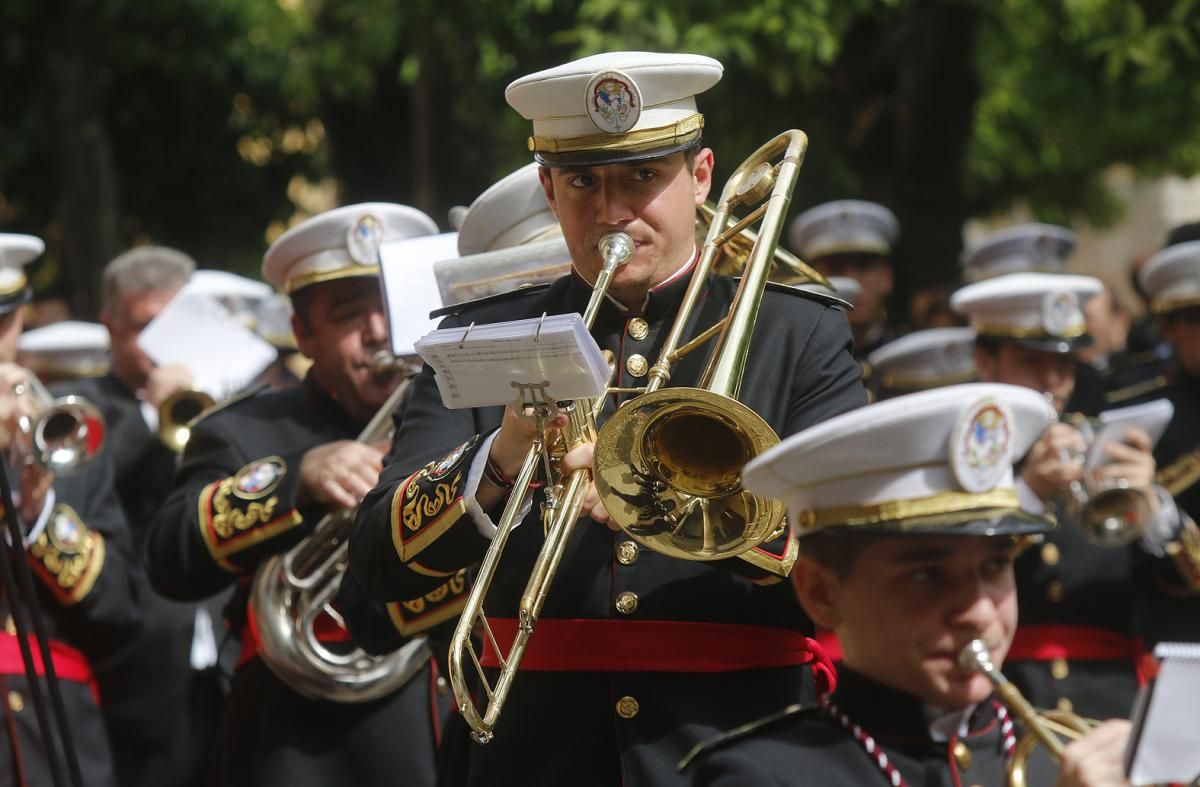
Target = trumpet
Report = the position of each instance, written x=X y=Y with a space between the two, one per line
x=1042 y=728
x=176 y=414
x=293 y=590
x=564 y=501
x=66 y=433
x=1111 y=512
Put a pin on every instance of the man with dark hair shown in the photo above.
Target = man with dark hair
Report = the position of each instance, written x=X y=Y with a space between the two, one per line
x=908 y=556
x=259 y=472
x=637 y=656
x=89 y=586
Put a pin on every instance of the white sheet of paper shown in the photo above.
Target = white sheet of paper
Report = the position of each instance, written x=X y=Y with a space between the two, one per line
x=1168 y=746
x=1151 y=417
x=196 y=331
x=478 y=366
x=410 y=290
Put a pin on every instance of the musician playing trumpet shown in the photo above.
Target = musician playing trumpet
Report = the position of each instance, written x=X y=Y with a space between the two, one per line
x=637 y=656
x=1077 y=647
x=258 y=474
x=78 y=545
x=907 y=556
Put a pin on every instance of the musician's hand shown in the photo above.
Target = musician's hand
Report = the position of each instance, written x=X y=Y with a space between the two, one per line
x=166 y=380
x=1049 y=467
x=1130 y=460
x=35 y=485
x=517 y=433
x=339 y=474
x=1095 y=760
x=14 y=379
x=581 y=457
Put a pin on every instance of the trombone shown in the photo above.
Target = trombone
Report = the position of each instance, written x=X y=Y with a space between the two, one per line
x=66 y=433
x=1042 y=728
x=679 y=457
x=564 y=501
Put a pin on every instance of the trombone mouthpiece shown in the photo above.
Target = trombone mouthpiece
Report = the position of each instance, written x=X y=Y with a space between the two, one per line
x=975 y=657
x=616 y=248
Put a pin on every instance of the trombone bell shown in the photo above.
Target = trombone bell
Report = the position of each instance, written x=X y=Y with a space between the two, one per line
x=680 y=493
x=175 y=416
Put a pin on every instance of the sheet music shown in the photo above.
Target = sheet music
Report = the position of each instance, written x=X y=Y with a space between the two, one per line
x=195 y=330
x=410 y=289
x=478 y=366
x=1165 y=744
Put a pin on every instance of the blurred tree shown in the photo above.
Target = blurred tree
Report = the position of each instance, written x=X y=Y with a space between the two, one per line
x=213 y=124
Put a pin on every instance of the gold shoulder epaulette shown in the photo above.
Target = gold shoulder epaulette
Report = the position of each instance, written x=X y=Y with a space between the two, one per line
x=1136 y=390
x=737 y=733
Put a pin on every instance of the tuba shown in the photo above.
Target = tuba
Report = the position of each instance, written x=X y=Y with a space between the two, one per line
x=66 y=433
x=1044 y=728
x=668 y=463
x=292 y=590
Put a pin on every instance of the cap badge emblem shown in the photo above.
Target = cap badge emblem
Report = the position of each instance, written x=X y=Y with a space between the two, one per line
x=981 y=446
x=1060 y=313
x=614 y=102
x=364 y=238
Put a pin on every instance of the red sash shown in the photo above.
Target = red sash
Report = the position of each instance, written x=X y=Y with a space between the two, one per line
x=69 y=663
x=563 y=645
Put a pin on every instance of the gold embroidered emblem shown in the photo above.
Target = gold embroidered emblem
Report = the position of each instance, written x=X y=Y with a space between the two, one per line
x=423 y=505
x=228 y=520
x=67 y=555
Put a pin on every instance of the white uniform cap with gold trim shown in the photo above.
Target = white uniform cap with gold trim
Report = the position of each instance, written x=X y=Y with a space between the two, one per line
x=237 y=293
x=925 y=359
x=511 y=212
x=951 y=470
x=66 y=349
x=1041 y=311
x=617 y=106
x=274 y=321
x=844 y=288
x=1172 y=277
x=847 y=226
x=16 y=251
x=1023 y=248
x=340 y=243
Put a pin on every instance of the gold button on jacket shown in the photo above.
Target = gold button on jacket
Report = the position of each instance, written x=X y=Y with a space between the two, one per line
x=637 y=365
x=627 y=707
x=627 y=553
x=627 y=603
x=638 y=329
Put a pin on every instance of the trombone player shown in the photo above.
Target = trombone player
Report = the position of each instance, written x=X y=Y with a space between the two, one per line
x=638 y=656
x=89 y=586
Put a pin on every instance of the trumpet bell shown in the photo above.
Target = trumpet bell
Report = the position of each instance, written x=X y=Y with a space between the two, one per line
x=67 y=434
x=1116 y=514
x=668 y=467
x=176 y=413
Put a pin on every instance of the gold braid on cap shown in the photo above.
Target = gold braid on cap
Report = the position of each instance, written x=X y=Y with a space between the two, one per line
x=1015 y=332
x=915 y=383
x=316 y=277
x=677 y=133
x=1171 y=304
x=892 y=510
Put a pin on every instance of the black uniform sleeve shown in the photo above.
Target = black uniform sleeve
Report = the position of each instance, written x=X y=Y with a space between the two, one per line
x=84 y=560
x=413 y=532
x=226 y=511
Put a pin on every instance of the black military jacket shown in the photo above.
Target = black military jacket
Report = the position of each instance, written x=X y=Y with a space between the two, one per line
x=234 y=503
x=162 y=714
x=90 y=594
x=612 y=726
x=808 y=746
